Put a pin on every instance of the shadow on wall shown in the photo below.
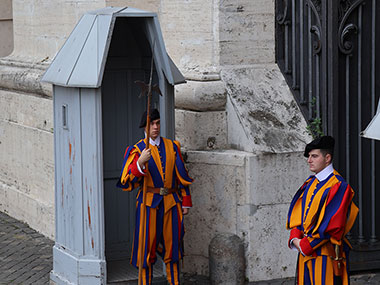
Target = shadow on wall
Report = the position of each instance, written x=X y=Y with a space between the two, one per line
x=6 y=28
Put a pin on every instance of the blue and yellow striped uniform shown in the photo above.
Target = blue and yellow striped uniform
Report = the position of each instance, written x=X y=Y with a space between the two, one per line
x=321 y=214
x=164 y=219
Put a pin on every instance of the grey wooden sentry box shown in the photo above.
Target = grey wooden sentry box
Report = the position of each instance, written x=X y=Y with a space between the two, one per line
x=96 y=115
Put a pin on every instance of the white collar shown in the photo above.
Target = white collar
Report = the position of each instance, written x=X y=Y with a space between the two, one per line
x=155 y=142
x=323 y=174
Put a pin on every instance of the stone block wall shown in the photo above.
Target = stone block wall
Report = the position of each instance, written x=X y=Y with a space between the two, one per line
x=6 y=28
x=26 y=155
x=246 y=31
x=41 y=27
x=216 y=192
x=272 y=180
x=248 y=195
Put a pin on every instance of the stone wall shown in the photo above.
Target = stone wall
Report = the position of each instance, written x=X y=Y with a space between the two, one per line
x=248 y=195
x=218 y=187
x=272 y=180
x=41 y=27
x=246 y=31
x=6 y=28
x=26 y=155
x=261 y=105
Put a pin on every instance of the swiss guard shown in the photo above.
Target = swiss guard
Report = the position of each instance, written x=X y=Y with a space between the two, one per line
x=320 y=216
x=159 y=227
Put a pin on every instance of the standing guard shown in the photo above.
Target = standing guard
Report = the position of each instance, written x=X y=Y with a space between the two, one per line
x=161 y=168
x=320 y=215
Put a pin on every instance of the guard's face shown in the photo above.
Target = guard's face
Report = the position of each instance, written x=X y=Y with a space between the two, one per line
x=155 y=129
x=317 y=162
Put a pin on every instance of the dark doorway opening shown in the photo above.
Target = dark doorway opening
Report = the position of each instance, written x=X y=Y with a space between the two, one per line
x=128 y=60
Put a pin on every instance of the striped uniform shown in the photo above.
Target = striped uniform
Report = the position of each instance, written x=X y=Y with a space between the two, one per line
x=321 y=214
x=164 y=220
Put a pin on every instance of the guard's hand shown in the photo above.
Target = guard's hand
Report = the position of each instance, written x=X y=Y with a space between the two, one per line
x=296 y=243
x=185 y=211
x=144 y=157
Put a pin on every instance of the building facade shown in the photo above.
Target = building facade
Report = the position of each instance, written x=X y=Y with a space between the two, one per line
x=241 y=130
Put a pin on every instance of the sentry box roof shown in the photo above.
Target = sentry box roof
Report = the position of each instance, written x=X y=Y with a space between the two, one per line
x=82 y=58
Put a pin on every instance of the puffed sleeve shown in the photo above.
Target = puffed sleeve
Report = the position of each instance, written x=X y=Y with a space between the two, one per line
x=183 y=178
x=130 y=176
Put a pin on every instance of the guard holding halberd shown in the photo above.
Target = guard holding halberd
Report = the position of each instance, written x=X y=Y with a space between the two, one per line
x=167 y=199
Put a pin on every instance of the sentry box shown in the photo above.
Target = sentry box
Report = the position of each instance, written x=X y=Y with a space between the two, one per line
x=97 y=110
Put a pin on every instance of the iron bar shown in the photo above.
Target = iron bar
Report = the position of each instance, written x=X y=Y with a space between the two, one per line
x=286 y=48
x=302 y=86
x=324 y=63
x=373 y=99
x=360 y=162
x=294 y=71
x=332 y=58
x=317 y=82
x=310 y=65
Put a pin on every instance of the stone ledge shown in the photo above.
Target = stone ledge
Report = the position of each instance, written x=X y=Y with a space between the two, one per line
x=23 y=76
x=34 y=112
x=201 y=96
x=221 y=157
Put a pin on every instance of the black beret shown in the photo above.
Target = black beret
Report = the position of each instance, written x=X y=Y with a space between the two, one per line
x=154 y=115
x=325 y=142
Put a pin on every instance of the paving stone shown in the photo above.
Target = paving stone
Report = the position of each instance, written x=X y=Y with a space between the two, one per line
x=25 y=255
x=38 y=276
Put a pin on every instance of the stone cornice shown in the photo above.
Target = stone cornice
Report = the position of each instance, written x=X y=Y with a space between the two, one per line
x=24 y=76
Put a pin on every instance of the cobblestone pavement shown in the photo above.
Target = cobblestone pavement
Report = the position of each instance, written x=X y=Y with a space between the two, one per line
x=370 y=278
x=26 y=258
x=365 y=279
x=25 y=255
